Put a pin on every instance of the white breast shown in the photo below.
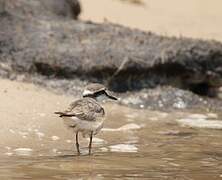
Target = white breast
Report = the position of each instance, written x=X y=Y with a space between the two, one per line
x=86 y=127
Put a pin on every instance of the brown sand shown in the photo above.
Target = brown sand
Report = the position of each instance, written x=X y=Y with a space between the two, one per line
x=136 y=143
x=27 y=114
x=190 y=18
x=28 y=119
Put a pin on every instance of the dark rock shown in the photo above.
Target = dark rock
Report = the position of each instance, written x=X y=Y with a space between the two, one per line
x=167 y=98
x=163 y=98
x=52 y=45
x=123 y=58
x=41 y=8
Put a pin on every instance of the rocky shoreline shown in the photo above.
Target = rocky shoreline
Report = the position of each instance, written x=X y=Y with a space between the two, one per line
x=146 y=70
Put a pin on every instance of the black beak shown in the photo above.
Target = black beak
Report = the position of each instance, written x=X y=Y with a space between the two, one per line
x=109 y=95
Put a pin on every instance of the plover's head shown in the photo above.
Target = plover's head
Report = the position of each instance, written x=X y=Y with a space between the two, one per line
x=98 y=92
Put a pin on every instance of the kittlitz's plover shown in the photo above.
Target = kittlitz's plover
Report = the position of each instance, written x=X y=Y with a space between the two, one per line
x=86 y=115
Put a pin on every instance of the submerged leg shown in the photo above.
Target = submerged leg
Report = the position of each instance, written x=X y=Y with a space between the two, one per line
x=77 y=143
x=90 y=142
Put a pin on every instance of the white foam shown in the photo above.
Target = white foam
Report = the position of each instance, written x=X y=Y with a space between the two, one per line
x=97 y=140
x=55 y=150
x=174 y=164
x=153 y=119
x=36 y=130
x=197 y=116
x=132 y=141
x=104 y=149
x=9 y=153
x=212 y=115
x=162 y=114
x=8 y=148
x=12 y=131
x=23 y=133
x=42 y=114
x=55 y=138
x=68 y=141
x=40 y=135
x=132 y=115
x=109 y=129
x=141 y=105
x=201 y=123
x=123 y=148
x=127 y=127
x=130 y=126
x=23 y=151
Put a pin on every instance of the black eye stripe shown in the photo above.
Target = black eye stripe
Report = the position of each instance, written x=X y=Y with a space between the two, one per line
x=99 y=93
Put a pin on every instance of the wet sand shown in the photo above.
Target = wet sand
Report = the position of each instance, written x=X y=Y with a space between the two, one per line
x=191 y=18
x=28 y=120
x=135 y=143
x=27 y=115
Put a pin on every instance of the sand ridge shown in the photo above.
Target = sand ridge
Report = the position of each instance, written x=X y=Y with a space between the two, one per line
x=191 y=18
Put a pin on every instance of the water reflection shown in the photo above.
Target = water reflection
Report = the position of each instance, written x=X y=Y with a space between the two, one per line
x=134 y=144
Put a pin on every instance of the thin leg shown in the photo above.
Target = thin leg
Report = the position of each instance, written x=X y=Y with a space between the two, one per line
x=90 y=142
x=77 y=143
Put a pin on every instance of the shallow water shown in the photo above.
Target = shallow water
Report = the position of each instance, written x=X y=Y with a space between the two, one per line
x=134 y=144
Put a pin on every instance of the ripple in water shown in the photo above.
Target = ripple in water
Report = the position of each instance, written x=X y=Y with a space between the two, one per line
x=23 y=151
x=123 y=148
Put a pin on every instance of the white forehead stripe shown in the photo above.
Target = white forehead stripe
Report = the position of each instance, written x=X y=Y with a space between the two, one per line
x=87 y=92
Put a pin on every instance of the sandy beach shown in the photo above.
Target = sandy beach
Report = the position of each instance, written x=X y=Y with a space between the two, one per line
x=34 y=142
x=191 y=18
x=28 y=120
x=27 y=114
x=163 y=125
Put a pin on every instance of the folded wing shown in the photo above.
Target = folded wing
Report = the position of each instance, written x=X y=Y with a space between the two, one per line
x=84 y=109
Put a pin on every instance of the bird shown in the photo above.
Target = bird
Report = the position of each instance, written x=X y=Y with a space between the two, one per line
x=86 y=115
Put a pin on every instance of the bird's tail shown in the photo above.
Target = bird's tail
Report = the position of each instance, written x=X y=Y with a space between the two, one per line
x=59 y=113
